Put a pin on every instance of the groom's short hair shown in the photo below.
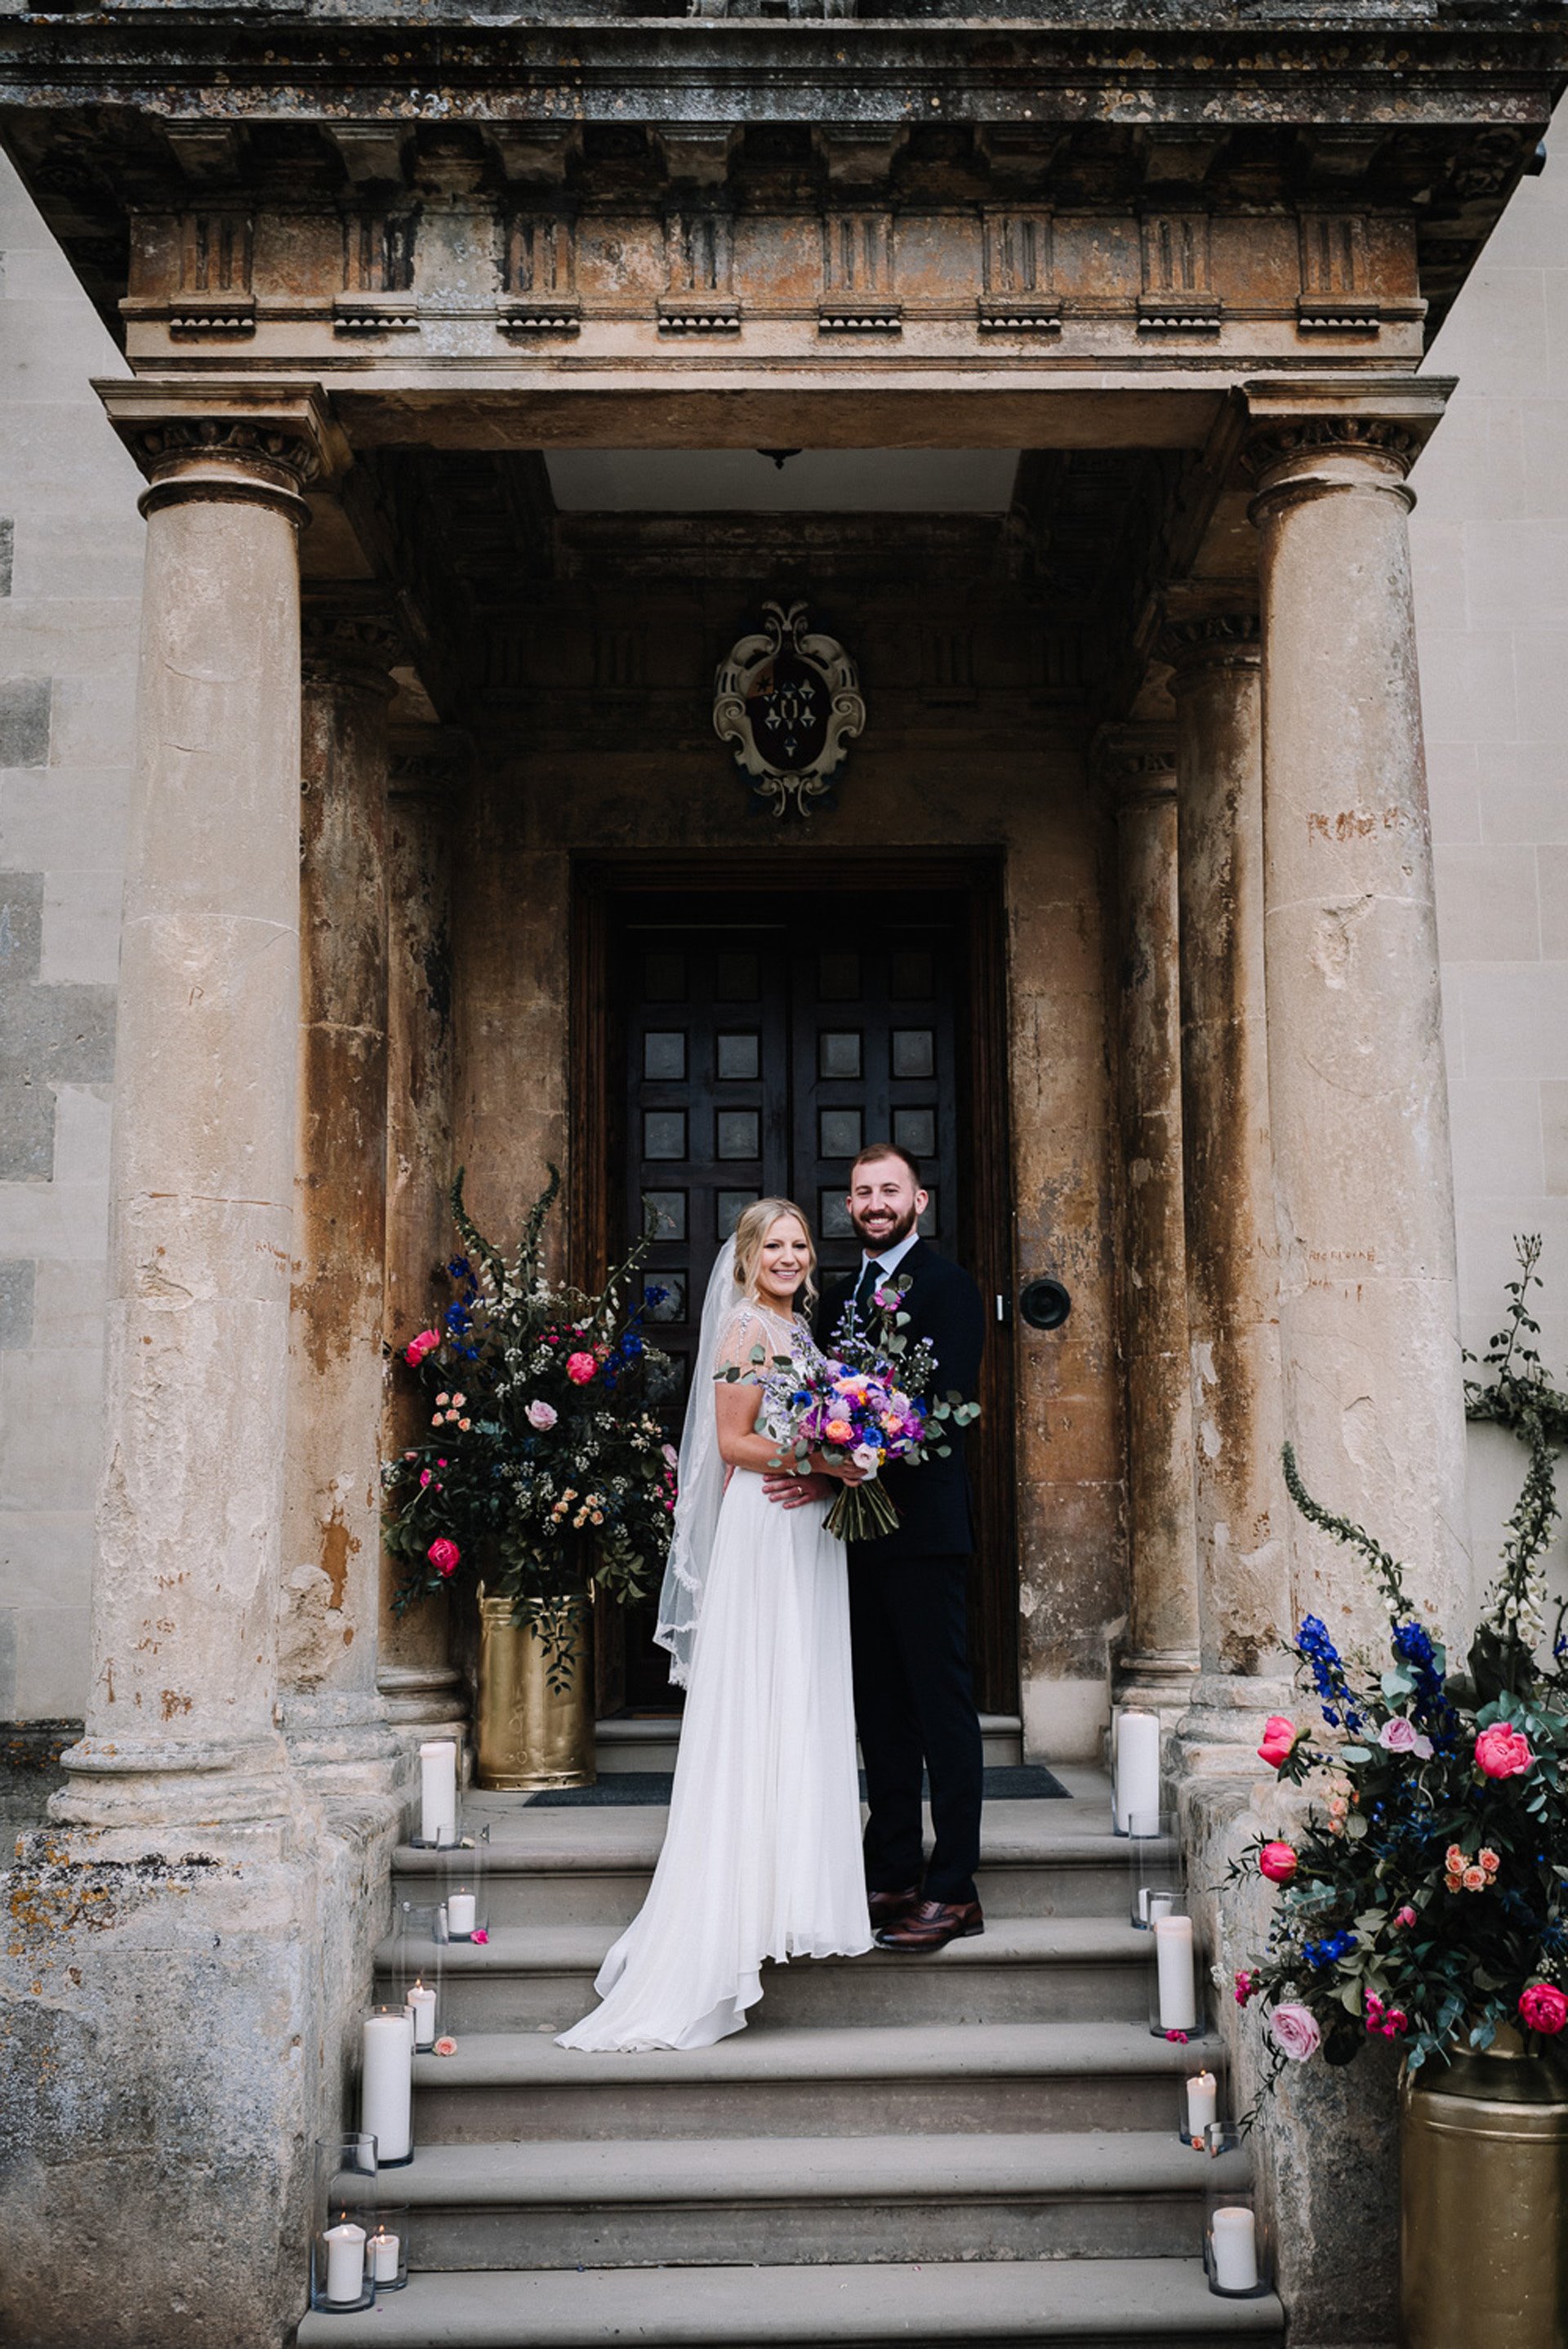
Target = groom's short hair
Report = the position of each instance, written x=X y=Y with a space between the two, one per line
x=875 y=1150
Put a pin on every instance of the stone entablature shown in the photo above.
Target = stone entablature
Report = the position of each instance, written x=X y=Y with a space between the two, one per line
x=450 y=277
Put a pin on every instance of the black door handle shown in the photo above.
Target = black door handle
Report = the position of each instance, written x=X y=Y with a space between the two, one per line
x=1045 y=1304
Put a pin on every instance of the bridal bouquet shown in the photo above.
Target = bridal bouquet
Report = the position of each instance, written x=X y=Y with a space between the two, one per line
x=544 y=1468
x=1425 y=1899
x=869 y=1403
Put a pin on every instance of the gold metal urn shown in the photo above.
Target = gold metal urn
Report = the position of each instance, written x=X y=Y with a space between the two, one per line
x=1484 y=2249
x=531 y=1736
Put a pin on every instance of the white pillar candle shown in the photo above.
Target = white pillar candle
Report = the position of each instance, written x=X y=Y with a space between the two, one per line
x=1235 y=2242
x=438 y=1792
x=345 y=2262
x=1174 y=1959
x=421 y=2005
x=386 y=2085
x=1137 y=1768
x=1202 y=2106
x=460 y=1907
x=383 y=2256
x=1161 y=1904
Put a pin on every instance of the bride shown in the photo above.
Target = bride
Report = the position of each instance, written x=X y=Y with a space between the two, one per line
x=762 y=1855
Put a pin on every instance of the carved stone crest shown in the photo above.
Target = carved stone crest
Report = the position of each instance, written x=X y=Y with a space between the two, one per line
x=789 y=699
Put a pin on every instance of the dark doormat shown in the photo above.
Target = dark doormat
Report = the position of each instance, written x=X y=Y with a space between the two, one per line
x=1029 y=1784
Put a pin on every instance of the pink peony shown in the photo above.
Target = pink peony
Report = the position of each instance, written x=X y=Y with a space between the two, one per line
x=580 y=1369
x=1502 y=1753
x=1401 y=1736
x=1278 y=1862
x=415 y=1351
x=541 y=1414
x=444 y=1556
x=1294 y=2032
x=1279 y=1744
x=1543 y=2008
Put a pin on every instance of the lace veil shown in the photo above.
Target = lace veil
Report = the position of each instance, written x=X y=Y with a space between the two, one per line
x=701 y=1480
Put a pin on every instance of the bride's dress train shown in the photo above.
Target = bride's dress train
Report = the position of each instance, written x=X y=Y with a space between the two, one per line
x=762 y=1857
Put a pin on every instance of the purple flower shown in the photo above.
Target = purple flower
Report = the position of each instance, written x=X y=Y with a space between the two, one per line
x=1399 y=1735
x=541 y=1414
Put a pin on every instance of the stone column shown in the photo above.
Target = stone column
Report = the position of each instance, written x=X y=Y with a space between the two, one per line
x=1232 y=1315
x=333 y=1719
x=1358 y=1093
x=420 y=1685
x=1161 y=1655
x=162 y=1979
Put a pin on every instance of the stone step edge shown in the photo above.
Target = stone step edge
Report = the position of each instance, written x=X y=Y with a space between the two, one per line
x=1052 y=1849
x=864 y=2054
x=777 y=2171
x=1074 y=2303
x=575 y=1949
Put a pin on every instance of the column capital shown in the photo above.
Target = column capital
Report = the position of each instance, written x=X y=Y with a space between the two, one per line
x=350 y=639
x=1304 y=438
x=1195 y=642
x=1134 y=766
x=237 y=439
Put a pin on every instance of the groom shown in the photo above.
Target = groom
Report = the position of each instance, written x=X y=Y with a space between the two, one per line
x=914 y=1707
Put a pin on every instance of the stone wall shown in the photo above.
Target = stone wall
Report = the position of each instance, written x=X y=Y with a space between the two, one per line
x=70 y=573
x=1489 y=538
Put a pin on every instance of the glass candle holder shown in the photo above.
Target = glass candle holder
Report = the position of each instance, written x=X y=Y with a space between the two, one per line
x=1236 y=2246
x=344 y=2184
x=1175 y=1977
x=421 y=1940
x=386 y=2226
x=437 y=1798
x=1197 y=2108
x=464 y=1903
x=1136 y=1767
x=1155 y=1874
x=387 y=2083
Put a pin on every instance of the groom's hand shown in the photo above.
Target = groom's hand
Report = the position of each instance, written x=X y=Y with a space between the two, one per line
x=793 y=1492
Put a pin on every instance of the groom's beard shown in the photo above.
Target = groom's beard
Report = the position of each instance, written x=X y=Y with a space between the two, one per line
x=877 y=1243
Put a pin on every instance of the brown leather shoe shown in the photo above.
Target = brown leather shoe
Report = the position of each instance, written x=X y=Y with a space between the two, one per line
x=887 y=1908
x=932 y=1925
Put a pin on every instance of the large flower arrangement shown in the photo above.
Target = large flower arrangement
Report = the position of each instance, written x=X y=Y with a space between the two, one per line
x=1425 y=1899
x=546 y=1470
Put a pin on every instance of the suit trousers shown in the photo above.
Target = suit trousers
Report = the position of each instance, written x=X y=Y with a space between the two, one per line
x=914 y=1710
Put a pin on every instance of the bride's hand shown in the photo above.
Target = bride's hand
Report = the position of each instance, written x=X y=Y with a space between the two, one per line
x=844 y=1471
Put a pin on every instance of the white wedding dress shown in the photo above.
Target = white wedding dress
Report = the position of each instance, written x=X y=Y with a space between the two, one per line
x=762 y=1855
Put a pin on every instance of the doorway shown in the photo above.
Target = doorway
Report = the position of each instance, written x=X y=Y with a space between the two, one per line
x=737 y=1037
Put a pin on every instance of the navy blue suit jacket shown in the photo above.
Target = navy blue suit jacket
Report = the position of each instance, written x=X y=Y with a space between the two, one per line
x=932 y=1497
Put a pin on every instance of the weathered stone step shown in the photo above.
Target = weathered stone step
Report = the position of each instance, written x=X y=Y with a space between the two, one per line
x=536 y=1876
x=650 y=1743
x=1069 y=2303
x=1021 y=1969
x=935 y=2078
x=649 y=2202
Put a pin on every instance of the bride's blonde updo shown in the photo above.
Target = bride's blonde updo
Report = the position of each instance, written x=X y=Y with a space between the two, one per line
x=749 y=1234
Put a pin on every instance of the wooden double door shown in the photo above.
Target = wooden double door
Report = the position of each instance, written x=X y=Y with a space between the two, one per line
x=755 y=1040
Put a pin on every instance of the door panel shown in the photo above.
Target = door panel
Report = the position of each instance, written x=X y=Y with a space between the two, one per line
x=756 y=1056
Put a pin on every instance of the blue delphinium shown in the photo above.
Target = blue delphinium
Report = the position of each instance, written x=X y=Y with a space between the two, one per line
x=1314 y=1645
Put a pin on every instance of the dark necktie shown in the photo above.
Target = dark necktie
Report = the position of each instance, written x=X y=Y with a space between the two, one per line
x=870 y=1276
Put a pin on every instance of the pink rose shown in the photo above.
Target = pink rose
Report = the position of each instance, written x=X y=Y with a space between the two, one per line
x=1396 y=2022
x=1294 y=2032
x=424 y=1478
x=1279 y=1741
x=672 y=1458
x=580 y=1369
x=1247 y=1985
x=444 y=1556
x=417 y=1347
x=1543 y=2008
x=541 y=1414
x=1399 y=1735
x=1405 y=1917
x=1278 y=1862
x=1502 y=1753
x=478 y=1934
x=445 y=2045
